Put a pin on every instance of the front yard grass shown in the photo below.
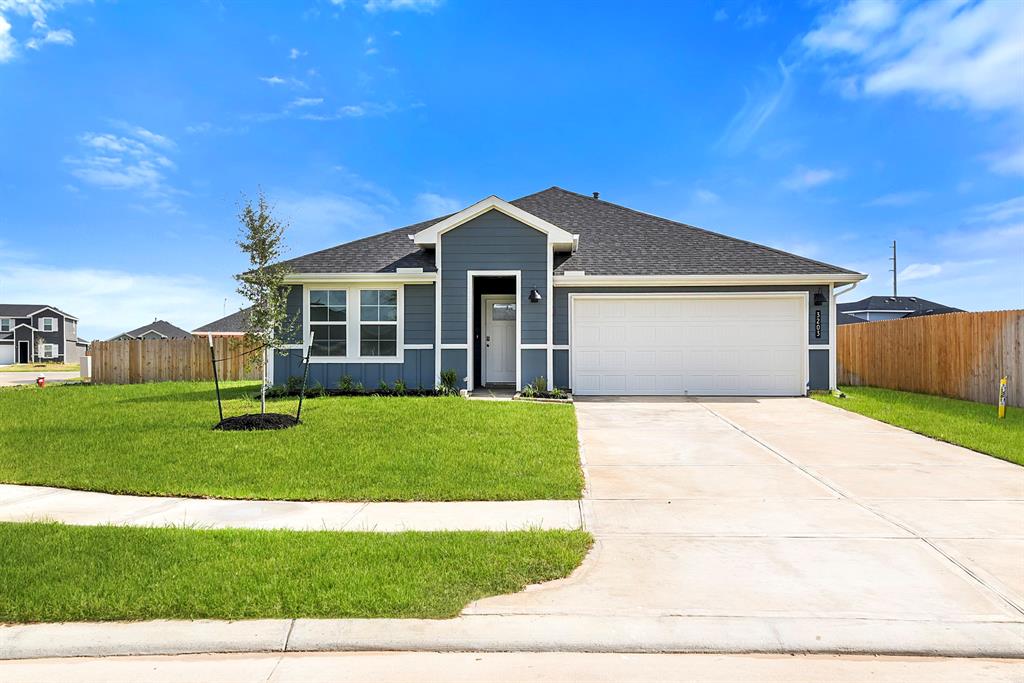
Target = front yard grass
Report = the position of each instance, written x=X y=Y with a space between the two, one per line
x=53 y=572
x=40 y=367
x=964 y=423
x=157 y=439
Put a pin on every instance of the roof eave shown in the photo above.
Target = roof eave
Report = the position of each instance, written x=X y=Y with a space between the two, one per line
x=560 y=239
x=697 y=280
x=410 y=278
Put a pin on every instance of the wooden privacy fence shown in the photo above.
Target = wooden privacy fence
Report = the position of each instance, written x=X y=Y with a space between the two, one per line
x=160 y=360
x=956 y=354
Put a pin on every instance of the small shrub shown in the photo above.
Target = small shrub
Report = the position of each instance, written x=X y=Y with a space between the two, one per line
x=449 y=383
x=540 y=385
x=529 y=391
x=345 y=383
x=316 y=390
x=558 y=393
x=400 y=388
x=383 y=389
x=359 y=388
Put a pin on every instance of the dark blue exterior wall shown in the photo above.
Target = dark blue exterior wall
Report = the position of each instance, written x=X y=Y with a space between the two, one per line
x=417 y=371
x=419 y=314
x=492 y=241
x=534 y=364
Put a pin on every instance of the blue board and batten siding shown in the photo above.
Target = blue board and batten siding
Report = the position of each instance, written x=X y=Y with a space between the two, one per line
x=493 y=241
x=416 y=368
x=818 y=365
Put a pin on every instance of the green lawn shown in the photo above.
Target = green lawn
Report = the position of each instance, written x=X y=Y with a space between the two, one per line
x=965 y=423
x=157 y=439
x=40 y=367
x=52 y=572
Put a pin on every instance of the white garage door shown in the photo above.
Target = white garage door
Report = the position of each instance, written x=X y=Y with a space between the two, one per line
x=696 y=345
x=6 y=354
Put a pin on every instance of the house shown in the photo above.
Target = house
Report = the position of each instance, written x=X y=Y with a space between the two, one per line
x=232 y=325
x=595 y=297
x=889 y=308
x=158 y=329
x=31 y=333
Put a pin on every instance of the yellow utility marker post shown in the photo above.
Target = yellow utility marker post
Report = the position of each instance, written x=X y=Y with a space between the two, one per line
x=1002 y=397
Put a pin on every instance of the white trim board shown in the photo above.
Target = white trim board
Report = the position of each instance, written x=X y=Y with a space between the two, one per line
x=353 y=322
x=391 y=278
x=431 y=236
x=700 y=280
x=470 y=311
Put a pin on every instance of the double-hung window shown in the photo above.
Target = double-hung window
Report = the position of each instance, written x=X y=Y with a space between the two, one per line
x=48 y=324
x=328 y=321
x=6 y=324
x=378 y=322
x=49 y=350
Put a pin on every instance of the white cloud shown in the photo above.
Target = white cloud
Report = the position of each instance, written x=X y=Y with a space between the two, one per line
x=757 y=108
x=108 y=302
x=320 y=219
x=1008 y=162
x=900 y=198
x=432 y=205
x=998 y=212
x=278 y=80
x=59 y=37
x=703 y=196
x=127 y=162
x=354 y=111
x=295 y=53
x=919 y=271
x=806 y=178
x=7 y=42
x=954 y=53
x=398 y=5
x=305 y=102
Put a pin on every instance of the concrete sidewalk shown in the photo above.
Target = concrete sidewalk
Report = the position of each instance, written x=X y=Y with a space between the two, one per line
x=13 y=379
x=44 y=503
x=414 y=667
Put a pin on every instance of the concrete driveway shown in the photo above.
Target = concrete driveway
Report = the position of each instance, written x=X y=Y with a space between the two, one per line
x=787 y=523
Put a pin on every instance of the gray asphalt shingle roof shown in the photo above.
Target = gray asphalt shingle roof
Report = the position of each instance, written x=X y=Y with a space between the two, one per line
x=895 y=303
x=160 y=327
x=233 y=323
x=614 y=240
x=24 y=310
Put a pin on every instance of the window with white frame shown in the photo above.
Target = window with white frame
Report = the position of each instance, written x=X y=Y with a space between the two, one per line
x=328 y=321
x=49 y=350
x=48 y=324
x=6 y=324
x=378 y=322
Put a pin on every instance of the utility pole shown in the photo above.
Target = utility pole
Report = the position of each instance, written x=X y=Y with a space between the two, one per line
x=893 y=259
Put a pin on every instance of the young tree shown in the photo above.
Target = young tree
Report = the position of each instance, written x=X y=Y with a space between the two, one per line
x=261 y=238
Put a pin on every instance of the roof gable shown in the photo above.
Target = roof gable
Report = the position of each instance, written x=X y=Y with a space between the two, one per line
x=429 y=236
x=161 y=327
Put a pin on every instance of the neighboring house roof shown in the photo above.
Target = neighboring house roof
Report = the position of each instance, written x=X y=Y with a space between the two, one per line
x=613 y=240
x=235 y=323
x=938 y=310
x=847 y=319
x=25 y=310
x=161 y=327
x=895 y=304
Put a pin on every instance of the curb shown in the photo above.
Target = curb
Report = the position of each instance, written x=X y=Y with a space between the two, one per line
x=520 y=633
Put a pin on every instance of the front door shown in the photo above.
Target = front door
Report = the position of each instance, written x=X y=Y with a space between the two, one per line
x=499 y=335
x=23 y=352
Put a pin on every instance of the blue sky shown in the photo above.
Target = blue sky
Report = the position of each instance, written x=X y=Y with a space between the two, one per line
x=129 y=130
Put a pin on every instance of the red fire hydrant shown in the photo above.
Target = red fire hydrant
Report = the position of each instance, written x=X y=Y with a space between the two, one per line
x=41 y=381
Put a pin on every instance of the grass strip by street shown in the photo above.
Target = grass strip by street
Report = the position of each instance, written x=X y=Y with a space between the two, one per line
x=52 y=572
x=41 y=368
x=964 y=423
x=157 y=439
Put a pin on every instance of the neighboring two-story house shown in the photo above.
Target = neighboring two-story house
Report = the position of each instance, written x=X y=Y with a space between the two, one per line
x=32 y=333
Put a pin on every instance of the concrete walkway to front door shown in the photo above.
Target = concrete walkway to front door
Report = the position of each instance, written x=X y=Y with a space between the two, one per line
x=45 y=503
x=789 y=521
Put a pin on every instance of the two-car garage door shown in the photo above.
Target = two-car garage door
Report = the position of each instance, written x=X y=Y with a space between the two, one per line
x=702 y=345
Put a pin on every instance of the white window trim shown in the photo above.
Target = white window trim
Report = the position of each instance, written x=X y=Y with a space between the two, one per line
x=10 y=324
x=362 y=322
x=49 y=351
x=353 y=321
x=42 y=324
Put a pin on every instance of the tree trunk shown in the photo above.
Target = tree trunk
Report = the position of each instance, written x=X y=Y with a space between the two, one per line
x=263 y=386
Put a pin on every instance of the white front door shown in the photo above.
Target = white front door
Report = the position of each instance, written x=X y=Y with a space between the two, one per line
x=499 y=339
x=711 y=345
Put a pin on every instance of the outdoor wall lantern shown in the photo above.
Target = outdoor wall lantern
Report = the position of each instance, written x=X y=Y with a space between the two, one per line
x=535 y=296
x=819 y=299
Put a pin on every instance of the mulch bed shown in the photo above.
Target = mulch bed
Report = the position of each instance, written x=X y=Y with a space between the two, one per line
x=250 y=423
